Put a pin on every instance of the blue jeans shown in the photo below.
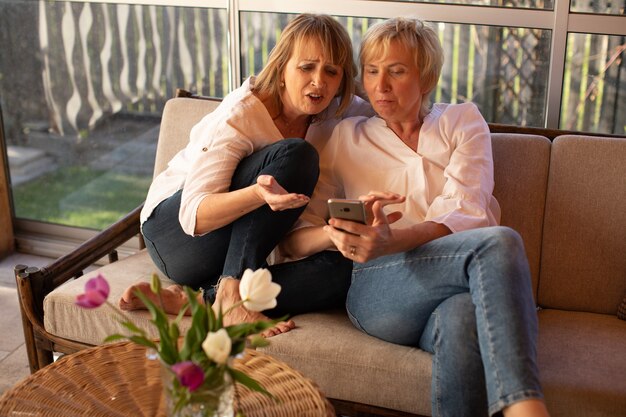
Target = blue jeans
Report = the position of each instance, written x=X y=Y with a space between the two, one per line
x=467 y=299
x=199 y=261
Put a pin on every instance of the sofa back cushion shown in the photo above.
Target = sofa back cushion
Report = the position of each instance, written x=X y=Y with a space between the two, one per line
x=521 y=164
x=179 y=116
x=583 y=265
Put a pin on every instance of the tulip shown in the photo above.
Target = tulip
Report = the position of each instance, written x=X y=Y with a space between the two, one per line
x=217 y=346
x=257 y=290
x=189 y=374
x=96 y=293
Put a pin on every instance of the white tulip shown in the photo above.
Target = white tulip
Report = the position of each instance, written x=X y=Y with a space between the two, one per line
x=217 y=346
x=257 y=290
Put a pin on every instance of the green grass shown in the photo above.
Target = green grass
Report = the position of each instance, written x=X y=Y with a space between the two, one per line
x=80 y=197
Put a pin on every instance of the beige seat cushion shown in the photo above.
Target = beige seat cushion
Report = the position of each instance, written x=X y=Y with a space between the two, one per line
x=349 y=365
x=582 y=363
x=577 y=378
x=62 y=317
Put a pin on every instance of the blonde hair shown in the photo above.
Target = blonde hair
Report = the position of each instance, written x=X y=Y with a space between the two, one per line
x=418 y=38
x=335 y=43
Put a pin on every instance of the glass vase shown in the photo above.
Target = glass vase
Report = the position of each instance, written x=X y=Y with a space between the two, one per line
x=214 y=398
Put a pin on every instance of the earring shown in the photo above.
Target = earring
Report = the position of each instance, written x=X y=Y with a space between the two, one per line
x=282 y=84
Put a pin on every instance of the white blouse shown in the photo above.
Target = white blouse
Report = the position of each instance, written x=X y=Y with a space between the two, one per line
x=449 y=179
x=238 y=127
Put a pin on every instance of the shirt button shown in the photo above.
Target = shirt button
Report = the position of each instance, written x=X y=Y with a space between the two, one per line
x=205 y=149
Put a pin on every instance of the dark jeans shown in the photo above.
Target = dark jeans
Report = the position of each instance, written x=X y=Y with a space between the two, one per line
x=199 y=261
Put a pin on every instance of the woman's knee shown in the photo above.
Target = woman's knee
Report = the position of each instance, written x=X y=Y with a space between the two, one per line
x=302 y=152
x=503 y=240
x=456 y=317
x=301 y=173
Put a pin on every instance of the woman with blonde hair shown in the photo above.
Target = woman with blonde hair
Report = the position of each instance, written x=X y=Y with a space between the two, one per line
x=435 y=271
x=224 y=202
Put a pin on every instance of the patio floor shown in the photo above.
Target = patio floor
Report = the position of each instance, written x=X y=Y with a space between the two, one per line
x=13 y=359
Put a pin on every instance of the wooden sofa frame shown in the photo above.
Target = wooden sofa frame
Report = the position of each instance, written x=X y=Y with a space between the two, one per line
x=33 y=284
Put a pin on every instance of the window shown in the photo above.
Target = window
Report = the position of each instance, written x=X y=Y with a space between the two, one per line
x=594 y=72
x=82 y=96
x=531 y=4
x=83 y=83
x=615 y=7
x=501 y=69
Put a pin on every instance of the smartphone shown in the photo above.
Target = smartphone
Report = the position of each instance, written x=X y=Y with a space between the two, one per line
x=342 y=208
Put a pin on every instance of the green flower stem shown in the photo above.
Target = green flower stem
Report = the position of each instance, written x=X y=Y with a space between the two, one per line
x=161 y=300
x=234 y=306
x=124 y=317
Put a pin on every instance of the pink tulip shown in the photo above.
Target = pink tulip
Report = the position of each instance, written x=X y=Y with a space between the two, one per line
x=96 y=293
x=189 y=374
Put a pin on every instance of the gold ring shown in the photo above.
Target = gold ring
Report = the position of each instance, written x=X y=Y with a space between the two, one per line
x=352 y=250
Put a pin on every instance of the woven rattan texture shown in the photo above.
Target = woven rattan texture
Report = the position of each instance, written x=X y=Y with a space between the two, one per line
x=118 y=380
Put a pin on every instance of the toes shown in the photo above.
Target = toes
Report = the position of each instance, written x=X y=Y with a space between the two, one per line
x=127 y=304
x=129 y=300
x=283 y=327
x=128 y=295
x=268 y=333
x=123 y=305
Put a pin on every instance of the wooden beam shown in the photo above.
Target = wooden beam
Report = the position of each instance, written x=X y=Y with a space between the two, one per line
x=549 y=133
x=7 y=239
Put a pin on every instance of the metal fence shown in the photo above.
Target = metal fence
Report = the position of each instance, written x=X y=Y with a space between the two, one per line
x=82 y=62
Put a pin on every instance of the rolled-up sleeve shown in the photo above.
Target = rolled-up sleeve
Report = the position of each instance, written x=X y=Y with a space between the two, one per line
x=216 y=149
x=211 y=172
x=467 y=193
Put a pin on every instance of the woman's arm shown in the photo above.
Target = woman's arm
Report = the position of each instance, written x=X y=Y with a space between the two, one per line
x=218 y=210
x=305 y=242
x=365 y=243
x=362 y=243
x=465 y=199
x=417 y=235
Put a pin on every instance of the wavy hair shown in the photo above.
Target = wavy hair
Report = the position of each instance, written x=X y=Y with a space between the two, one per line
x=335 y=43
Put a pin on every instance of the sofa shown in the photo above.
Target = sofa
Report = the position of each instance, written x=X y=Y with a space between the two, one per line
x=565 y=194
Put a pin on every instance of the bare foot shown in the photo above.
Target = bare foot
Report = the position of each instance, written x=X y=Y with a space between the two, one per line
x=173 y=298
x=228 y=295
x=527 y=408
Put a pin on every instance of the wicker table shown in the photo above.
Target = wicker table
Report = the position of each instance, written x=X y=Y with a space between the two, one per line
x=118 y=380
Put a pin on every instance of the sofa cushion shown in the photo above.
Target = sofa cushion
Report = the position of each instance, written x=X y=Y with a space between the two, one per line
x=521 y=164
x=583 y=262
x=349 y=365
x=63 y=318
x=582 y=363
